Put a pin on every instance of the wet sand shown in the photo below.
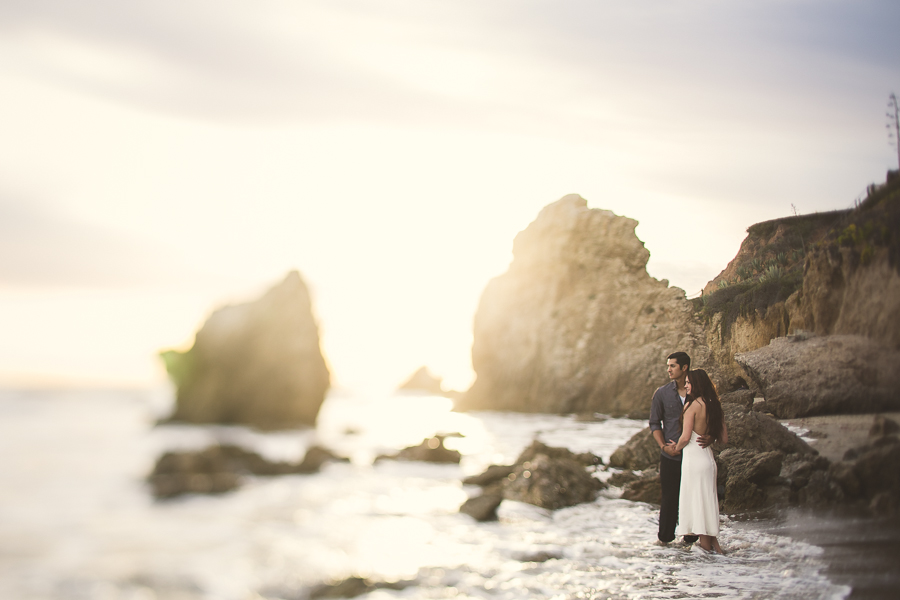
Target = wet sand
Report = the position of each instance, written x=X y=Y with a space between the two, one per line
x=833 y=435
x=862 y=551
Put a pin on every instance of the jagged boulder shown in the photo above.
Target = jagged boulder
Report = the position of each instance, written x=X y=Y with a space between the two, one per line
x=256 y=364
x=638 y=453
x=484 y=506
x=542 y=475
x=493 y=474
x=576 y=325
x=423 y=381
x=748 y=472
x=805 y=375
x=752 y=430
x=220 y=468
x=644 y=489
x=551 y=483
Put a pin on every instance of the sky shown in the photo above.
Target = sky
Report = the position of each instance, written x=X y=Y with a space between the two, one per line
x=161 y=159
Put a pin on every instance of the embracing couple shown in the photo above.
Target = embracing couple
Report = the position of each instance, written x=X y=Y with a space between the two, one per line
x=685 y=418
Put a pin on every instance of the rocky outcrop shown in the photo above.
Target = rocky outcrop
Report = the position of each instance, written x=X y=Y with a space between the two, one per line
x=483 y=507
x=638 y=453
x=869 y=473
x=551 y=482
x=430 y=450
x=352 y=587
x=764 y=464
x=221 y=468
x=644 y=489
x=576 y=325
x=839 y=374
x=542 y=475
x=256 y=364
x=423 y=381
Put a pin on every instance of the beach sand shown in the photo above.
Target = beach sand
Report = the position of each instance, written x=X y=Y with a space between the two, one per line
x=833 y=435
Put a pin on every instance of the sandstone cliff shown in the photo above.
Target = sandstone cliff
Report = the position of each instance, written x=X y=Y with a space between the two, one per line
x=576 y=324
x=255 y=364
x=827 y=274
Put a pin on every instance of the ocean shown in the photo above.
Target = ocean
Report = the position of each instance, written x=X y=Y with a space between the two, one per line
x=77 y=520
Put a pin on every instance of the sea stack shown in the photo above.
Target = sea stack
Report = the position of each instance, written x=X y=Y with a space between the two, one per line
x=577 y=324
x=256 y=364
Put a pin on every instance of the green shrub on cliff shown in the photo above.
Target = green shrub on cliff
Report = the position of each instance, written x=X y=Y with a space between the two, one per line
x=772 y=261
x=769 y=267
x=872 y=225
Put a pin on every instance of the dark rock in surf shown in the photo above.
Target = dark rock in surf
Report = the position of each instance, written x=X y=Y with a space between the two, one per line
x=353 y=587
x=484 y=506
x=638 y=453
x=551 y=483
x=430 y=450
x=219 y=469
x=542 y=475
x=493 y=474
x=646 y=488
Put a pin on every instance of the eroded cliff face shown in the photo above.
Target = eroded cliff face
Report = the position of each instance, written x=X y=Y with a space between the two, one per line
x=255 y=364
x=576 y=324
x=847 y=283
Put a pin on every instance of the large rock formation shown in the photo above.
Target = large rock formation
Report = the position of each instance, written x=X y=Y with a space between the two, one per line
x=255 y=364
x=576 y=324
x=802 y=376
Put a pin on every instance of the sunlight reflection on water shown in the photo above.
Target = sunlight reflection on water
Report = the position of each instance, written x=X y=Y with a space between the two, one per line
x=76 y=520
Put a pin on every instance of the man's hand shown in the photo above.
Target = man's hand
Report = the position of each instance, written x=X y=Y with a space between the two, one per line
x=704 y=440
x=669 y=449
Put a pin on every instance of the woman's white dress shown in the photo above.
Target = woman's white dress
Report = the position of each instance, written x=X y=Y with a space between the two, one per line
x=698 y=503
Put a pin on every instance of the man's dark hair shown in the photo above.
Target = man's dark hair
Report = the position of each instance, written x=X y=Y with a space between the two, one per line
x=681 y=358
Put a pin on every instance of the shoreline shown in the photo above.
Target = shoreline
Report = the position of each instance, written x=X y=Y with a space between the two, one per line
x=832 y=435
x=861 y=551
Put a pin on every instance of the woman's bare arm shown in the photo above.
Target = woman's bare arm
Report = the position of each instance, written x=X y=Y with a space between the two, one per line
x=688 y=427
x=724 y=438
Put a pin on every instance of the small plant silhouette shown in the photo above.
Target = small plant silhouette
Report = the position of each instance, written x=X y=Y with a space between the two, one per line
x=893 y=124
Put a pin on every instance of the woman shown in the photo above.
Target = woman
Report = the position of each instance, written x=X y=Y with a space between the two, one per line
x=698 y=507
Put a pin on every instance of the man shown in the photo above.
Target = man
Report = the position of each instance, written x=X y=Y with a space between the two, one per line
x=665 y=411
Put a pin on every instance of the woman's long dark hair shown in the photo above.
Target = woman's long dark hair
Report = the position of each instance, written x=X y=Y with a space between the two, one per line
x=703 y=387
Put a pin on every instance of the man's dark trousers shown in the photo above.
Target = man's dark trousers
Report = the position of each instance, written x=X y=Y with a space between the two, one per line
x=670 y=482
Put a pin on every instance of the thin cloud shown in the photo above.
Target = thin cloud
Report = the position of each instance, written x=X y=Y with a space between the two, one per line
x=40 y=250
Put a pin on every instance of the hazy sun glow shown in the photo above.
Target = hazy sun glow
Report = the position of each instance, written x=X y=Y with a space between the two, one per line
x=162 y=159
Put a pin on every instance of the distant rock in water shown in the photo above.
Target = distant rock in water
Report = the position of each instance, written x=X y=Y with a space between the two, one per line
x=423 y=381
x=576 y=325
x=430 y=450
x=219 y=469
x=256 y=364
